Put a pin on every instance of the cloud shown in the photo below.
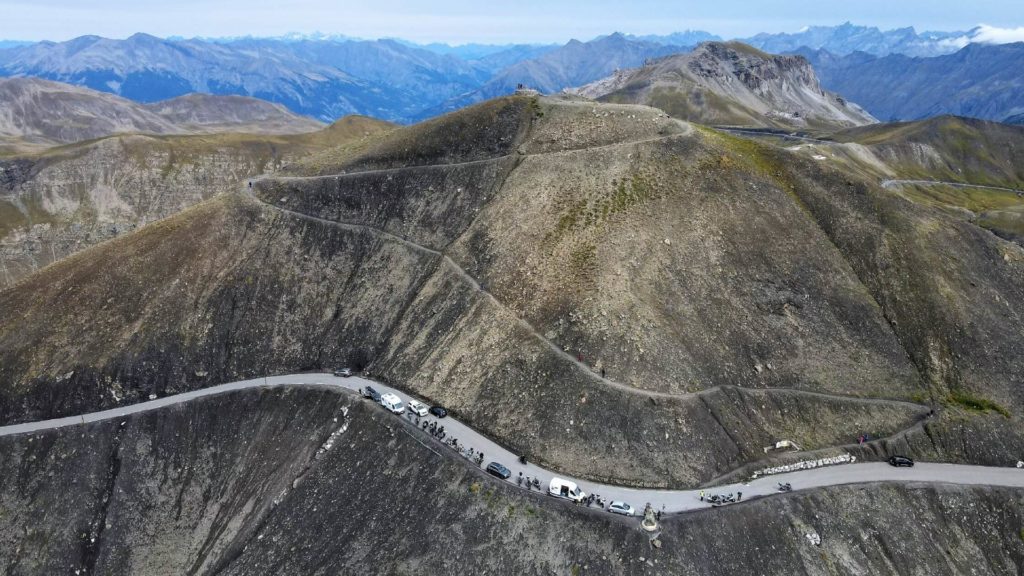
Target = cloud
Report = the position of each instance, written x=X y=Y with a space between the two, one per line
x=985 y=34
x=955 y=43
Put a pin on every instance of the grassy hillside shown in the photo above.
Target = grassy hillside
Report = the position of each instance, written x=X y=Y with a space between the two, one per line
x=947 y=148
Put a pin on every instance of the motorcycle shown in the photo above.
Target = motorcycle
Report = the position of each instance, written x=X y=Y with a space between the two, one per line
x=787 y=487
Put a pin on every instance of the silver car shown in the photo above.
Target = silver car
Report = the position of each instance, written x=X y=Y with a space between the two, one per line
x=619 y=507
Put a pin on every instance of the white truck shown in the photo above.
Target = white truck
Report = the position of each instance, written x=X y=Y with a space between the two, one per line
x=392 y=403
x=566 y=489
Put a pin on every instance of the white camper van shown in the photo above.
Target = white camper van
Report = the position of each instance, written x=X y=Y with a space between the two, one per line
x=565 y=489
x=392 y=403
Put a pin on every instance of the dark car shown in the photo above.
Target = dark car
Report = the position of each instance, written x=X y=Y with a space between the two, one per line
x=372 y=394
x=898 y=461
x=438 y=411
x=498 y=470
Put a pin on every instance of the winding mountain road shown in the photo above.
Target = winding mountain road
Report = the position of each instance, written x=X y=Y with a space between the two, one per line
x=671 y=501
x=894 y=183
x=560 y=352
x=460 y=272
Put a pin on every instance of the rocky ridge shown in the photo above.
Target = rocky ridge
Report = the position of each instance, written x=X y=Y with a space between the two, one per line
x=732 y=84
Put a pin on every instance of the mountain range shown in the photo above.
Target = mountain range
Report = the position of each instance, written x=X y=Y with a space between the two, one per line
x=327 y=76
x=571 y=65
x=848 y=38
x=981 y=81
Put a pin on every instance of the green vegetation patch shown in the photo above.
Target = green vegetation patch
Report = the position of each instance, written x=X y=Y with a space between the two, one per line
x=1006 y=223
x=973 y=199
x=12 y=217
x=589 y=212
x=698 y=105
x=975 y=403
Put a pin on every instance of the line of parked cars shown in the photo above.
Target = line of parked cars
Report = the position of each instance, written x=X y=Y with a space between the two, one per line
x=558 y=487
x=395 y=405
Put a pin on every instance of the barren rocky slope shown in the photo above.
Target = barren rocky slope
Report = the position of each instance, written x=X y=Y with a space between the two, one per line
x=733 y=295
x=208 y=113
x=36 y=114
x=732 y=84
x=61 y=201
x=313 y=482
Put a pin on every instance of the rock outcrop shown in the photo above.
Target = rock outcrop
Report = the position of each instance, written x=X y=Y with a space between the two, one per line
x=732 y=84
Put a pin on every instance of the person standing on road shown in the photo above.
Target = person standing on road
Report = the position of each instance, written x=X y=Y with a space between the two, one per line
x=739 y=496
x=701 y=495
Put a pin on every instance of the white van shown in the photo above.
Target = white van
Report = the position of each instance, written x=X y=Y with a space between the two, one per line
x=565 y=489
x=392 y=403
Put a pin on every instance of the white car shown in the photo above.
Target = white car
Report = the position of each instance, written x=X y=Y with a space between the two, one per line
x=417 y=408
x=619 y=507
x=392 y=403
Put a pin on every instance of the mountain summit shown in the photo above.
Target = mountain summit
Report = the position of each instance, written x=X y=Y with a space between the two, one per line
x=732 y=83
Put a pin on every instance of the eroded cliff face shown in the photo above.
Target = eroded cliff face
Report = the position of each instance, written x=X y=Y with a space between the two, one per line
x=319 y=482
x=732 y=83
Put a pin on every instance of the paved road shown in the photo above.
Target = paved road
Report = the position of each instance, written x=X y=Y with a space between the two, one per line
x=672 y=500
x=893 y=183
x=782 y=135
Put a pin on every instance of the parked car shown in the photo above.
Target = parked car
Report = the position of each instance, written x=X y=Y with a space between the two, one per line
x=620 y=507
x=566 y=489
x=392 y=403
x=344 y=372
x=898 y=461
x=498 y=470
x=372 y=394
x=438 y=411
x=417 y=408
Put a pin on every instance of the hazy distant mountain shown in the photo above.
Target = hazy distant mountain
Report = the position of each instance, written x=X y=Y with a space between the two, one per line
x=148 y=69
x=328 y=76
x=481 y=51
x=848 y=38
x=574 y=64
x=980 y=81
x=411 y=78
x=38 y=113
x=684 y=38
x=208 y=113
x=512 y=55
x=731 y=83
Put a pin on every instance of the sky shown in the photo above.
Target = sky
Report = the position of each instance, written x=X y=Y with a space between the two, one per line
x=485 y=21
